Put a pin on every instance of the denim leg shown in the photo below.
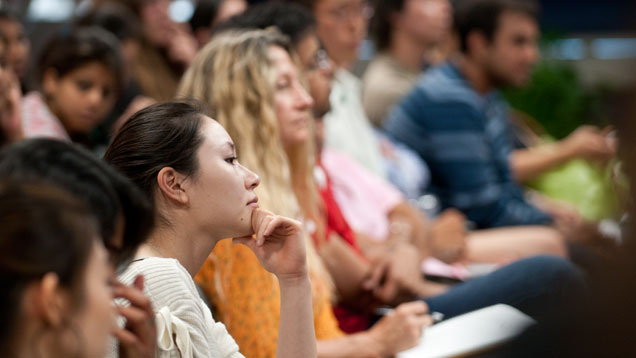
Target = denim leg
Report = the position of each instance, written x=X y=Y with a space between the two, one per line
x=537 y=286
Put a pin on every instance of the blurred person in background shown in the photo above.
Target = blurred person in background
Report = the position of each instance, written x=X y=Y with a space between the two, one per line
x=18 y=49
x=80 y=76
x=121 y=22
x=458 y=123
x=10 y=100
x=166 y=49
x=124 y=219
x=55 y=275
x=409 y=36
x=209 y=13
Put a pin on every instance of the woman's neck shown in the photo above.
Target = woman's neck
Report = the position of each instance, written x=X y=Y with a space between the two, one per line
x=184 y=243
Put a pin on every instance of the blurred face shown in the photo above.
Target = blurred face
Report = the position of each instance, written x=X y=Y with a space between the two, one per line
x=341 y=26
x=96 y=317
x=221 y=195
x=318 y=69
x=230 y=8
x=292 y=103
x=156 y=21
x=427 y=21
x=82 y=98
x=18 y=47
x=513 y=51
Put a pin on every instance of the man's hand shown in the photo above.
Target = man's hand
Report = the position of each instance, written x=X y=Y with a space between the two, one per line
x=448 y=236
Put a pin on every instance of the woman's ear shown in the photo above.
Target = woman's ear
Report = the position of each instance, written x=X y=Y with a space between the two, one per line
x=171 y=184
x=49 y=81
x=47 y=300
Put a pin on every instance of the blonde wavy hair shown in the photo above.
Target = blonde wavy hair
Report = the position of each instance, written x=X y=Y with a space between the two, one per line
x=234 y=77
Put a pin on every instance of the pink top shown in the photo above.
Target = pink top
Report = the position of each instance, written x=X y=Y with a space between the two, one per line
x=39 y=121
x=364 y=199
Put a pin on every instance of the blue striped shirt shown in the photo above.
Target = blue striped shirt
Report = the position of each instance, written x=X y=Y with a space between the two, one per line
x=465 y=139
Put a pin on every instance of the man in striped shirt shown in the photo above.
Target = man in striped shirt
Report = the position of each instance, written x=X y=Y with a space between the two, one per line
x=457 y=121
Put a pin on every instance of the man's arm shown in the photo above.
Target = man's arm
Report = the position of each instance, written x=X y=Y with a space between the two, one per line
x=587 y=142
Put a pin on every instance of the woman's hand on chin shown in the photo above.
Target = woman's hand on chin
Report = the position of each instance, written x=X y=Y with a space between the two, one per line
x=279 y=245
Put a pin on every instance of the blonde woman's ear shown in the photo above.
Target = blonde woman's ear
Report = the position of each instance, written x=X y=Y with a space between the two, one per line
x=172 y=186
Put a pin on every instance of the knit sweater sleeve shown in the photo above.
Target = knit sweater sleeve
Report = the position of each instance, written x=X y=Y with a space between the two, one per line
x=185 y=326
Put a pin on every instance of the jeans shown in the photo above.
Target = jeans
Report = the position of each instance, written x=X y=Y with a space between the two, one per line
x=539 y=286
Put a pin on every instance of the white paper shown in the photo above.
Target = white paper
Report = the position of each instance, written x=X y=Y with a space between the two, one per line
x=470 y=332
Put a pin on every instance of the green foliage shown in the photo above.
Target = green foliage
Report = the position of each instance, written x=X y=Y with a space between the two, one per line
x=556 y=99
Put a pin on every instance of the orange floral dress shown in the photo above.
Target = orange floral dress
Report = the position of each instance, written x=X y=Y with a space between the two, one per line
x=246 y=298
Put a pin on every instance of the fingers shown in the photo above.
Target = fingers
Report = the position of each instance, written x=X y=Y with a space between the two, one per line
x=139 y=282
x=378 y=272
x=135 y=296
x=134 y=316
x=415 y=307
x=260 y=232
x=126 y=338
x=266 y=224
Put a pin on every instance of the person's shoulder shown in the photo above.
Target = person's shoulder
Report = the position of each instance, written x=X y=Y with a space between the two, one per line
x=157 y=272
x=442 y=84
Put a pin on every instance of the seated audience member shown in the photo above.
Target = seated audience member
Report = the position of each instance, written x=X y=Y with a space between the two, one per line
x=165 y=51
x=612 y=299
x=457 y=121
x=121 y=22
x=242 y=96
x=341 y=27
x=55 y=275
x=79 y=78
x=124 y=217
x=185 y=162
x=209 y=13
x=18 y=46
x=282 y=127
x=407 y=35
x=10 y=100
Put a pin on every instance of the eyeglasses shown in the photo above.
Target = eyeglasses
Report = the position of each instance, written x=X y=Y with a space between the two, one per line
x=321 y=61
x=351 y=11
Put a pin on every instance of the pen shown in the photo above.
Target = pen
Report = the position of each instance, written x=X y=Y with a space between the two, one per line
x=383 y=311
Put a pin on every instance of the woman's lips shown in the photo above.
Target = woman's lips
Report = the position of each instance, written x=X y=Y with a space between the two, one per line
x=253 y=203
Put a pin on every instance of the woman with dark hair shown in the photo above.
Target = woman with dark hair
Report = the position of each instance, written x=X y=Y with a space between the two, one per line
x=166 y=48
x=79 y=77
x=186 y=163
x=124 y=218
x=124 y=215
x=55 y=276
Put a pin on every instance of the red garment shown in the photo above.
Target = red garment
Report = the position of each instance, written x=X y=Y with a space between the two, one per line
x=336 y=222
x=349 y=320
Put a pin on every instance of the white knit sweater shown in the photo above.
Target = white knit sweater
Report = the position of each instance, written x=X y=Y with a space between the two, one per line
x=185 y=327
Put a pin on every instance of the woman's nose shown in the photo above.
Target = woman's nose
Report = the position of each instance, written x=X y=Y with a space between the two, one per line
x=251 y=179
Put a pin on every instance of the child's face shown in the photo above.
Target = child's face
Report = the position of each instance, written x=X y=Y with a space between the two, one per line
x=82 y=98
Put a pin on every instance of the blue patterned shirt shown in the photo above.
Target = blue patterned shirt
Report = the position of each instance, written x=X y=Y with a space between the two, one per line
x=465 y=139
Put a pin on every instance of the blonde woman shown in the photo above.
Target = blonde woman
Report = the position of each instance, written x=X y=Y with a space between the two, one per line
x=250 y=82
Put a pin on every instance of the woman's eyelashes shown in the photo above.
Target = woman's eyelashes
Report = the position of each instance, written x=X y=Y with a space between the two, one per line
x=231 y=160
x=283 y=83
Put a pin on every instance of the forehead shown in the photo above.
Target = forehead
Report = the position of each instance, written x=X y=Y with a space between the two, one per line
x=280 y=58
x=307 y=48
x=515 y=21
x=214 y=135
